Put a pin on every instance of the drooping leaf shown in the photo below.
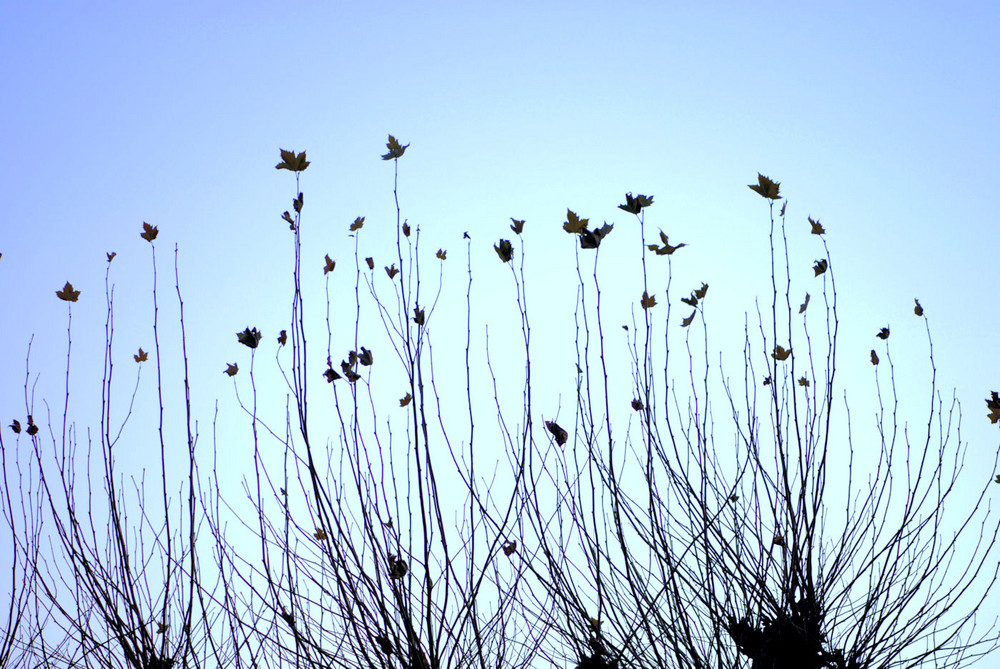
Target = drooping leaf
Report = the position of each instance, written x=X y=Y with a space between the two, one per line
x=917 y=309
x=883 y=333
x=418 y=315
x=67 y=294
x=320 y=534
x=111 y=256
x=817 y=229
x=291 y=161
x=392 y=271
x=329 y=265
x=365 y=357
x=647 y=301
x=405 y=400
x=634 y=205
x=591 y=239
x=406 y=229
x=441 y=254
x=560 y=435
x=874 y=357
x=766 y=188
x=504 y=250
x=397 y=568
x=690 y=319
x=149 y=232
x=16 y=426
x=574 y=224
x=780 y=353
x=395 y=149
x=283 y=338
x=297 y=203
x=819 y=267
x=141 y=356
x=516 y=225
x=358 y=223
x=331 y=375
x=231 y=369
x=783 y=205
x=288 y=219
x=701 y=292
x=249 y=337
x=993 y=404
x=370 y=262
x=802 y=307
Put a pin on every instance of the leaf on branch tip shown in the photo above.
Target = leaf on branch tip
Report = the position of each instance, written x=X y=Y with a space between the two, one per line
x=817 y=229
x=819 y=267
x=141 y=356
x=329 y=265
x=783 y=205
x=591 y=239
x=690 y=319
x=406 y=229
x=561 y=436
x=441 y=254
x=397 y=568
x=666 y=249
x=917 y=309
x=297 y=203
x=67 y=294
x=365 y=357
x=766 y=188
x=149 y=232
x=282 y=338
x=291 y=161
x=767 y=381
x=802 y=307
x=574 y=224
x=32 y=428
x=418 y=315
x=395 y=149
x=330 y=375
x=405 y=400
x=883 y=334
x=509 y=548
x=701 y=292
x=504 y=250
x=734 y=497
x=249 y=337
x=690 y=301
x=111 y=256
x=320 y=534
x=16 y=426
x=516 y=225
x=358 y=223
x=637 y=405
x=780 y=353
x=231 y=369
x=778 y=540
x=161 y=628
x=804 y=382
x=634 y=205
x=392 y=271
x=993 y=404
x=647 y=301
x=874 y=357
x=370 y=262
x=288 y=218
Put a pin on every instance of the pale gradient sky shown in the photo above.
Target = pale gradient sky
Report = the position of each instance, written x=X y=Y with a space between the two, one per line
x=878 y=118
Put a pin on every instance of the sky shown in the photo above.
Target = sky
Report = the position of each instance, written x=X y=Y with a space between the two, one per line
x=879 y=119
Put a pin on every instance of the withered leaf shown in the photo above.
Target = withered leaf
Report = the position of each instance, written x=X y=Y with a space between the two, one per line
x=574 y=224
x=666 y=249
x=16 y=426
x=331 y=375
x=288 y=218
x=249 y=337
x=397 y=569
x=993 y=404
x=418 y=315
x=111 y=256
x=819 y=267
x=509 y=547
x=874 y=357
x=161 y=628
x=405 y=400
x=780 y=353
x=384 y=644
x=634 y=204
x=297 y=203
x=783 y=205
x=370 y=262
x=406 y=229
x=392 y=271
x=647 y=301
x=637 y=405
x=883 y=333
x=395 y=149
x=231 y=369
x=320 y=534
x=441 y=254
x=766 y=188
x=32 y=428
x=690 y=319
x=804 y=382
x=778 y=540
x=802 y=307
x=149 y=232
x=358 y=223
x=516 y=225
x=767 y=381
x=917 y=309
x=701 y=292
x=817 y=229
x=294 y=162
x=996 y=479
x=141 y=356
x=690 y=301
x=734 y=497
x=67 y=294
x=561 y=436
x=329 y=265
x=591 y=239
x=365 y=357
x=504 y=250
x=283 y=338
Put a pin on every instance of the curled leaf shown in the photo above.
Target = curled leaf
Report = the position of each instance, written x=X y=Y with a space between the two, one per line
x=634 y=204
x=32 y=428
x=370 y=262
x=161 y=628
x=766 y=188
x=648 y=301
x=320 y=534
x=231 y=369
x=802 y=307
x=591 y=239
x=392 y=271
x=297 y=203
x=509 y=547
x=504 y=250
x=16 y=426
x=358 y=223
x=418 y=315
x=149 y=232
x=874 y=357
x=405 y=400
x=637 y=405
x=330 y=375
x=67 y=294
x=690 y=319
x=701 y=292
x=291 y=161
x=516 y=225
x=283 y=338
x=441 y=254
x=780 y=353
x=993 y=404
x=778 y=540
x=365 y=357
x=406 y=229
x=111 y=256
x=395 y=149
x=883 y=334
x=917 y=309
x=819 y=267
x=248 y=337
x=561 y=436
x=397 y=568
x=329 y=265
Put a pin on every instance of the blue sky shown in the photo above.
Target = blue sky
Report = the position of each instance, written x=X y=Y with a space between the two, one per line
x=877 y=118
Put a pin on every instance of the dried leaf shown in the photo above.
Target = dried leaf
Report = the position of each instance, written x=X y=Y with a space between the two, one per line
x=320 y=534
x=804 y=382
x=918 y=310
x=509 y=547
x=405 y=400
x=441 y=254
x=248 y=337
x=406 y=229
x=817 y=229
x=819 y=267
x=783 y=205
x=778 y=540
x=993 y=404
x=283 y=338
x=561 y=436
x=231 y=369
x=874 y=357
x=701 y=292
x=329 y=265
x=802 y=307
x=418 y=315
x=780 y=353
x=161 y=628
x=397 y=568
x=690 y=319
x=365 y=357
x=504 y=250
x=141 y=356
x=370 y=262
x=297 y=203
x=637 y=405
x=883 y=334
x=16 y=426
x=149 y=232
x=767 y=381
x=574 y=224
x=647 y=301
x=67 y=294
x=591 y=239
x=331 y=375
x=634 y=204
x=32 y=428
x=666 y=249
x=516 y=225
x=392 y=271
x=766 y=188
x=358 y=223
x=111 y=256
x=395 y=149
x=734 y=497
x=292 y=161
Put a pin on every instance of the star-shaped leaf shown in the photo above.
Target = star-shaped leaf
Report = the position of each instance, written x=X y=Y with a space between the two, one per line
x=249 y=337
x=504 y=250
x=634 y=204
x=141 y=356
x=647 y=301
x=231 y=369
x=817 y=229
x=560 y=435
x=329 y=265
x=149 y=232
x=574 y=224
x=766 y=188
x=67 y=294
x=291 y=161
x=780 y=353
x=395 y=149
